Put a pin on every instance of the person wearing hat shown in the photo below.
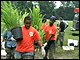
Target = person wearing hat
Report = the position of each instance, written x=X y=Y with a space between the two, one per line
x=50 y=32
x=62 y=25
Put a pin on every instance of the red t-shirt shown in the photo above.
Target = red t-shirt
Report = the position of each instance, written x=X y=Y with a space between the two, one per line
x=50 y=30
x=29 y=36
x=43 y=26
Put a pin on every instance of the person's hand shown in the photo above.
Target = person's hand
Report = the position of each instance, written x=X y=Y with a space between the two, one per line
x=43 y=51
x=1 y=41
x=59 y=29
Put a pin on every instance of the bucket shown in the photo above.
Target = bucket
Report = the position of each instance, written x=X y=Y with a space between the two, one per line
x=17 y=33
x=72 y=42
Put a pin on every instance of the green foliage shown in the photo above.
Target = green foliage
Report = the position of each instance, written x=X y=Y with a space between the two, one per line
x=36 y=17
x=47 y=7
x=41 y=33
x=22 y=16
x=9 y=15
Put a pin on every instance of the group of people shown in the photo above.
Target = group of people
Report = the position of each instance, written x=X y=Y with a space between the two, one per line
x=24 y=49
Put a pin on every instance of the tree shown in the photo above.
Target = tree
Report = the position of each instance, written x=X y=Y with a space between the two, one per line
x=66 y=9
x=22 y=5
x=47 y=8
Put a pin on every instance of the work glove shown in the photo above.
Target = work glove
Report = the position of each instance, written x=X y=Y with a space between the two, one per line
x=43 y=51
x=44 y=45
x=3 y=44
x=58 y=28
x=12 y=38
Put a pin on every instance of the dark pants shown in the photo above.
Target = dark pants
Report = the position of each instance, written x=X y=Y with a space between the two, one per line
x=60 y=37
x=10 y=52
x=50 y=49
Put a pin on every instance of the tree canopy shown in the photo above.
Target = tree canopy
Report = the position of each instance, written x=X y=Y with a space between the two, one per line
x=47 y=7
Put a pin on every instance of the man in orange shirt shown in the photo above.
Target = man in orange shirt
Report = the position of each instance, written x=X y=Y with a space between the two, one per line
x=25 y=47
x=50 y=31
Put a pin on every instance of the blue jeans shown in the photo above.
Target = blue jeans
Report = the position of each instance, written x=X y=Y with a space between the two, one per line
x=50 y=48
x=23 y=55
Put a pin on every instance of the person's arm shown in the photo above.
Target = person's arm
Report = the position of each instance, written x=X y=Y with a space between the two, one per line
x=66 y=26
x=39 y=42
x=50 y=37
x=4 y=35
x=58 y=25
x=1 y=40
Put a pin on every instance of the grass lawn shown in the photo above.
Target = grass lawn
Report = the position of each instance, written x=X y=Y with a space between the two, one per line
x=67 y=54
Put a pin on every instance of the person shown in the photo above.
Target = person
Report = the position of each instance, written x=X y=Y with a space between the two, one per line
x=50 y=31
x=43 y=26
x=25 y=47
x=10 y=43
x=44 y=23
x=66 y=24
x=62 y=25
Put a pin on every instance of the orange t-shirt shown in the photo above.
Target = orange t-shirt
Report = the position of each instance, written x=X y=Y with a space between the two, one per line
x=29 y=36
x=50 y=30
x=43 y=26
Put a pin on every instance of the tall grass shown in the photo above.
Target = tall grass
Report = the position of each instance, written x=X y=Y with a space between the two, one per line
x=36 y=18
x=12 y=18
x=22 y=16
x=9 y=15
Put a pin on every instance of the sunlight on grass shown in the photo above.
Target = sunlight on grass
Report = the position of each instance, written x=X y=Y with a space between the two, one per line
x=69 y=54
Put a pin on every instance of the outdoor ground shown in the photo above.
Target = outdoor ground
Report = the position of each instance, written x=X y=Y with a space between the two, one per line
x=60 y=53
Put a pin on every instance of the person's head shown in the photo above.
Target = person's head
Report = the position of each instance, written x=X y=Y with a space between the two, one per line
x=43 y=20
x=27 y=22
x=61 y=19
x=52 y=20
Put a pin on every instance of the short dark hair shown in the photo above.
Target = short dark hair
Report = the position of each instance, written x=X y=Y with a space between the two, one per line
x=44 y=20
x=27 y=18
